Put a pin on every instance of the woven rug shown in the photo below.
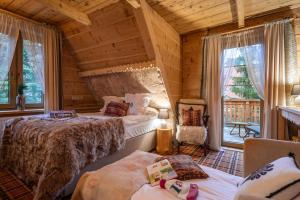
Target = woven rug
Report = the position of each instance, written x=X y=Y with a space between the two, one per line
x=12 y=188
x=228 y=161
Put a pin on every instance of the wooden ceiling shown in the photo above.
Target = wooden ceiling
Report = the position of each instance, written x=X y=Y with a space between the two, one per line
x=183 y=15
x=190 y=15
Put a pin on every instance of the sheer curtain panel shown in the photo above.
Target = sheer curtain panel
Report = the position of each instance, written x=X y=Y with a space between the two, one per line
x=52 y=62
x=275 y=81
x=212 y=66
x=8 y=40
x=249 y=45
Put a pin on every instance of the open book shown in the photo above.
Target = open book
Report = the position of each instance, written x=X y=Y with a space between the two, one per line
x=160 y=170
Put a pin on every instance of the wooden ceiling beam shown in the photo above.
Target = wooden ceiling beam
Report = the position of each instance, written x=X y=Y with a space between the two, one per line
x=240 y=10
x=67 y=10
x=134 y=3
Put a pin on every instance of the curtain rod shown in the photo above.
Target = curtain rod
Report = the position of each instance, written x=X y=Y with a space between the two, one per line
x=248 y=28
x=21 y=17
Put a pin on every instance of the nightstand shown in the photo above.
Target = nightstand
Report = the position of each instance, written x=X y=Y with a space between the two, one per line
x=164 y=141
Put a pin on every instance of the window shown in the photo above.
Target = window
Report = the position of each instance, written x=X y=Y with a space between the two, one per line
x=237 y=84
x=23 y=70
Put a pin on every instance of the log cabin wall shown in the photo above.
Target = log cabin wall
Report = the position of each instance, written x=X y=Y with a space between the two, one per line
x=167 y=46
x=192 y=47
x=75 y=92
x=113 y=38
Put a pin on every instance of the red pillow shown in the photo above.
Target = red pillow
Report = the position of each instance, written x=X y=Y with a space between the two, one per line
x=192 y=117
x=116 y=109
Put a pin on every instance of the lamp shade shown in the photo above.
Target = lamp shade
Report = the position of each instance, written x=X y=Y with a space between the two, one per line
x=296 y=89
x=163 y=113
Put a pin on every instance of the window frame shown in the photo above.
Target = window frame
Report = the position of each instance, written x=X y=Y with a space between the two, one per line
x=16 y=78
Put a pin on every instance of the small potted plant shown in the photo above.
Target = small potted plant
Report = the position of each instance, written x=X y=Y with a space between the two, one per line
x=20 y=100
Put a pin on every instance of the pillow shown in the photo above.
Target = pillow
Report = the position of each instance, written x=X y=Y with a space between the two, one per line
x=192 y=117
x=137 y=103
x=185 y=167
x=129 y=98
x=151 y=112
x=279 y=179
x=116 y=109
x=191 y=134
x=186 y=117
x=108 y=99
x=196 y=108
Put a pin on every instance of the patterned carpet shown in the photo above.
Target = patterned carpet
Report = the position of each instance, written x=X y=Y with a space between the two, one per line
x=12 y=188
x=225 y=160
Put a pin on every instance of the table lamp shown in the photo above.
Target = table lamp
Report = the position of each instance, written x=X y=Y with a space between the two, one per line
x=163 y=115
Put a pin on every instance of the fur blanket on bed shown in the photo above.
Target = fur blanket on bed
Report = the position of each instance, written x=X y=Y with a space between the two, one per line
x=47 y=153
x=117 y=181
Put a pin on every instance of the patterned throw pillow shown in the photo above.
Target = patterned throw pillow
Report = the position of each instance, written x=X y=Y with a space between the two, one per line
x=184 y=167
x=186 y=117
x=279 y=179
x=116 y=109
x=192 y=117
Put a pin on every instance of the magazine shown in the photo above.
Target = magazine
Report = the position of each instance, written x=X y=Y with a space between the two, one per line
x=160 y=170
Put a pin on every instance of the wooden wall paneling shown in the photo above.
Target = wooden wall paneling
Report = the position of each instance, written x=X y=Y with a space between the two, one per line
x=117 y=69
x=76 y=94
x=113 y=39
x=192 y=49
x=166 y=43
x=143 y=29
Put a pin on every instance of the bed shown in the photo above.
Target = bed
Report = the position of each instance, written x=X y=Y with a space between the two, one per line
x=53 y=143
x=219 y=186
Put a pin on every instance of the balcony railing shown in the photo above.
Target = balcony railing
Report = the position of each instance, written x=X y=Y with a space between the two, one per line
x=242 y=110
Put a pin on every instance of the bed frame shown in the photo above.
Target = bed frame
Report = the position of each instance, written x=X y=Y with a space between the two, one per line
x=145 y=142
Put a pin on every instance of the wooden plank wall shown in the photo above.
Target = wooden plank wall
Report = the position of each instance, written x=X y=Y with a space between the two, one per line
x=167 y=46
x=76 y=94
x=192 y=48
x=113 y=39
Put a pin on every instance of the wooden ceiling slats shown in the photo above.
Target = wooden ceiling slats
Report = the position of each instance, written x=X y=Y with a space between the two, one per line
x=183 y=15
x=5 y=3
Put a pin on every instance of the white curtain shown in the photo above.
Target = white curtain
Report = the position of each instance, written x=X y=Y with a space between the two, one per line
x=248 y=45
x=42 y=43
x=275 y=94
x=33 y=44
x=212 y=66
x=8 y=40
x=52 y=62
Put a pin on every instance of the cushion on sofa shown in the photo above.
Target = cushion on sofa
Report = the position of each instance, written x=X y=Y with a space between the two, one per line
x=185 y=167
x=279 y=179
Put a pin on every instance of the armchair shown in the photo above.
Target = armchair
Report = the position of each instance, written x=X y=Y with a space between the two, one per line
x=192 y=123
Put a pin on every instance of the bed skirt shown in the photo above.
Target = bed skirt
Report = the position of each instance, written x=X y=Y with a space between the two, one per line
x=145 y=142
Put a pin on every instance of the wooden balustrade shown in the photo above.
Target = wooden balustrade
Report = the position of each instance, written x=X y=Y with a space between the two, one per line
x=242 y=110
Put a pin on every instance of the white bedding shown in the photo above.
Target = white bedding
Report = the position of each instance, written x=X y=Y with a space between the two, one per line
x=219 y=186
x=134 y=125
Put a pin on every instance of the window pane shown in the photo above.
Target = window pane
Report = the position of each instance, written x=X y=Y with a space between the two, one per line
x=4 y=91
x=4 y=68
x=33 y=91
